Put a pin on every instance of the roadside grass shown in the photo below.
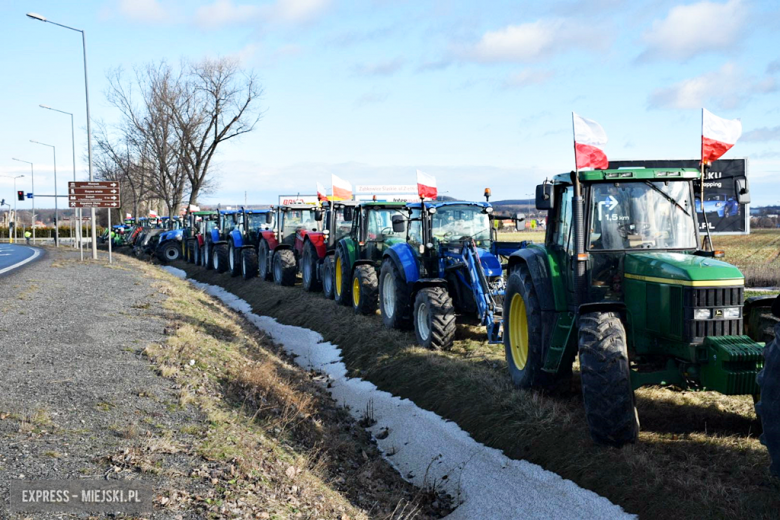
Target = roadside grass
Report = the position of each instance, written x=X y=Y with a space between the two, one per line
x=282 y=447
x=698 y=455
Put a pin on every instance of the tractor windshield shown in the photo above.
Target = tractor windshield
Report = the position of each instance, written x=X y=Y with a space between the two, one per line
x=298 y=219
x=258 y=221
x=341 y=226
x=641 y=215
x=380 y=223
x=455 y=223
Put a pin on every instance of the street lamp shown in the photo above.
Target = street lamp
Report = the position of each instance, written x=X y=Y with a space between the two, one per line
x=32 y=175
x=77 y=211
x=40 y=18
x=11 y=237
x=56 y=207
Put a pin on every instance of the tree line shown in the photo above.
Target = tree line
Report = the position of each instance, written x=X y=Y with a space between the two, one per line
x=172 y=120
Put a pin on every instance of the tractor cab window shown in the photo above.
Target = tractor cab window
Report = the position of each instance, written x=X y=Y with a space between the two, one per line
x=641 y=215
x=562 y=234
x=456 y=223
x=380 y=223
x=415 y=236
x=341 y=226
x=297 y=220
x=258 y=221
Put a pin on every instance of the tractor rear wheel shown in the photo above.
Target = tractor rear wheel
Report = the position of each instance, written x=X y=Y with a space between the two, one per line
x=394 y=297
x=434 y=318
x=191 y=247
x=262 y=260
x=342 y=277
x=768 y=406
x=221 y=258
x=524 y=340
x=234 y=260
x=328 y=282
x=196 y=253
x=309 y=268
x=248 y=263
x=171 y=252
x=284 y=267
x=365 y=290
x=606 y=379
x=208 y=252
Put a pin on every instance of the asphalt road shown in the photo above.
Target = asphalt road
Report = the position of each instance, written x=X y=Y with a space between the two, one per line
x=13 y=256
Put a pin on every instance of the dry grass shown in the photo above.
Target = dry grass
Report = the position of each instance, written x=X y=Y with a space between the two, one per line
x=698 y=454
x=283 y=447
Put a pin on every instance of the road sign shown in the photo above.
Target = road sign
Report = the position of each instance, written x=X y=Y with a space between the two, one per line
x=95 y=184
x=93 y=204
x=99 y=194
x=93 y=191
x=107 y=198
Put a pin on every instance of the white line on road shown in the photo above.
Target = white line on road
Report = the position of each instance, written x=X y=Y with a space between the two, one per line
x=36 y=254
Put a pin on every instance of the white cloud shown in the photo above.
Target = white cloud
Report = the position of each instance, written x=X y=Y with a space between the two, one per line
x=762 y=134
x=690 y=30
x=223 y=13
x=727 y=88
x=371 y=98
x=534 y=41
x=528 y=77
x=148 y=11
x=382 y=68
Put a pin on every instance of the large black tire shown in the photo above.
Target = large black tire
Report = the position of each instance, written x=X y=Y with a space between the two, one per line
x=365 y=290
x=342 y=279
x=434 y=318
x=606 y=379
x=170 y=252
x=208 y=252
x=395 y=299
x=234 y=260
x=309 y=262
x=328 y=282
x=768 y=406
x=285 y=269
x=524 y=340
x=263 y=269
x=196 y=254
x=221 y=258
x=248 y=263
x=191 y=246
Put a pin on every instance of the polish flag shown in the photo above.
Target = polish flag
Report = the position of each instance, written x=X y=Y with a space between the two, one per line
x=589 y=138
x=321 y=193
x=152 y=214
x=342 y=190
x=717 y=135
x=426 y=186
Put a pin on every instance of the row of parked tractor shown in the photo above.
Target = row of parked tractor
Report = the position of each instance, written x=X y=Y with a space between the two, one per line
x=622 y=282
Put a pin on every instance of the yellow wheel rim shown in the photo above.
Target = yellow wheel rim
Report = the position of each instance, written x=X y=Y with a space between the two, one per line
x=338 y=275
x=518 y=331
x=356 y=291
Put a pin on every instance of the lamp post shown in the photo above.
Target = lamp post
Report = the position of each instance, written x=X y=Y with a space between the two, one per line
x=56 y=207
x=10 y=236
x=40 y=18
x=77 y=211
x=32 y=177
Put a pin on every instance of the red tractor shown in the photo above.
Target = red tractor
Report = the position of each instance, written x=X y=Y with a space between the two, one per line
x=317 y=247
x=279 y=251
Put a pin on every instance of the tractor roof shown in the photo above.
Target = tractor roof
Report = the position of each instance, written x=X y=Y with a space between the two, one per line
x=383 y=204
x=256 y=211
x=228 y=211
x=297 y=207
x=439 y=204
x=632 y=173
x=201 y=213
x=352 y=203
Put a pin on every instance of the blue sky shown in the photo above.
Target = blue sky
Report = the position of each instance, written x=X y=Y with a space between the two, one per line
x=476 y=93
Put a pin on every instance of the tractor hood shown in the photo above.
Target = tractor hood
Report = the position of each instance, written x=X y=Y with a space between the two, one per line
x=679 y=268
x=490 y=263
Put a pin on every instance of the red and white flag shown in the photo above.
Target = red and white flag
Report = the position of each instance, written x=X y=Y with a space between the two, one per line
x=426 y=186
x=589 y=138
x=152 y=214
x=342 y=190
x=718 y=135
x=321 y=193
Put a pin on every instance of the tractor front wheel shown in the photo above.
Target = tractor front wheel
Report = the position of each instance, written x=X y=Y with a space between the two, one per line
x=262 y=260
x=768 y=406
x=234 y=260
x=196 y=254
x=434 y=318
x=248 y=263
x=284 y=267
x=221 y=258
x=342 y=276
x=208 y=261
x=365 y=290
x=394 y=297
x=171 y=252
x=606 y=379
x=328 y=283
x=309 y=268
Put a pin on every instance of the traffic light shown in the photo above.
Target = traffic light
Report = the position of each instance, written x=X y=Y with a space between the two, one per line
x=20 y=195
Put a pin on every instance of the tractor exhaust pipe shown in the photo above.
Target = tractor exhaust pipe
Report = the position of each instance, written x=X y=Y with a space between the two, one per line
x=580 y=256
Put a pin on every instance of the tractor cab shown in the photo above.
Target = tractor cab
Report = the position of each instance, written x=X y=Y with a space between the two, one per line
x=293 y=219
x=337 y=217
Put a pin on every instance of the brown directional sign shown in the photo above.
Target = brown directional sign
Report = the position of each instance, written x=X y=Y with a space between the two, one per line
x=99 y=194
x=107 y=197
x=93 y=184
x=93 y=191
x=93 y=204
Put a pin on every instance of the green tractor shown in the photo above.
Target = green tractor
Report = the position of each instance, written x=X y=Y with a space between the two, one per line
x=358 y=258
x=622 y=282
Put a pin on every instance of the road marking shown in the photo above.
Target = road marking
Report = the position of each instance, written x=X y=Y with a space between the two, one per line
x=36 y=254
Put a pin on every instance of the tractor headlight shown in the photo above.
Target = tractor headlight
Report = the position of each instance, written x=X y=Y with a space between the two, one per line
x=731 y=312
x=702 y=314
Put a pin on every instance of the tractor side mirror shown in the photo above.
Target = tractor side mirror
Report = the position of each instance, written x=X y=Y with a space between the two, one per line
x=544 y=196
x=349 y=213
x=318 y=215
x=399 y=224
x=742 y=190
x=269 y=218
x=519 y=219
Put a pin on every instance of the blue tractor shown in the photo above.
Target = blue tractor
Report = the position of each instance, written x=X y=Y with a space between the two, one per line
x=217 y=240
x=243 y=240
x=450 y=264
x=169 y=248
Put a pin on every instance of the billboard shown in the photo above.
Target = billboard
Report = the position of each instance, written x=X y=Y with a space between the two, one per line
x=387 y=192
x=724 y=215
x=297 y=199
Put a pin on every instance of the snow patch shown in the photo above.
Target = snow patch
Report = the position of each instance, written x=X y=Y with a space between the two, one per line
x=424 y=448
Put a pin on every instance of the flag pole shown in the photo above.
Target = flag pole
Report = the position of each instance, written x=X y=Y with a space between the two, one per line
x=579 y=228
x=706 y=241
